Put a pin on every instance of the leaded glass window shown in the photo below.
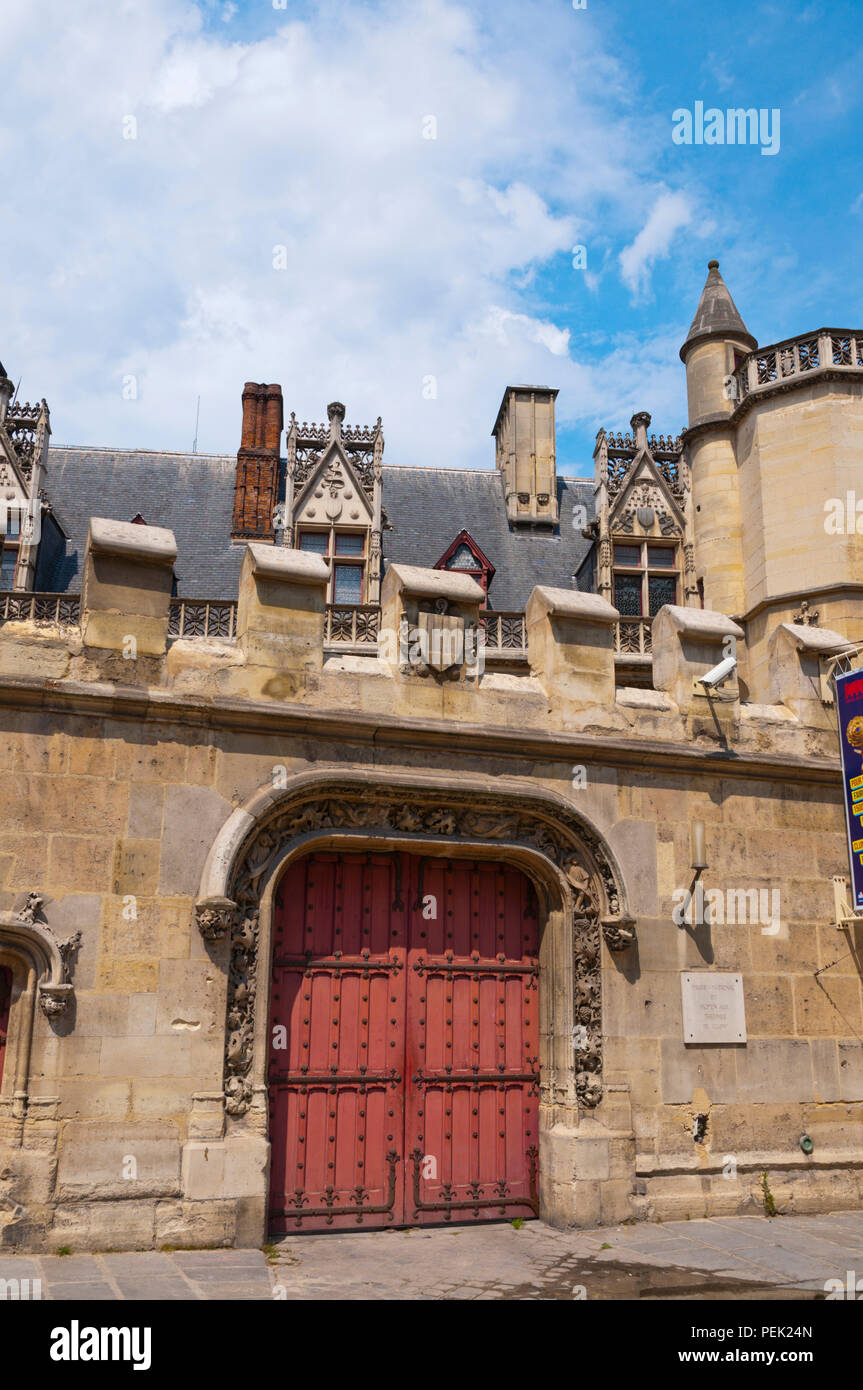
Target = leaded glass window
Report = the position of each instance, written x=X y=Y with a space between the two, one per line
x=627 y=594
x=7 y=569
x=662 y=589
x=463 y=559
x=348 y=584
x=645 y=577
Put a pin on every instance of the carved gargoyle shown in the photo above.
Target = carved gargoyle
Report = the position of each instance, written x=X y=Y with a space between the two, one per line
x=30 y=910
x=619 y=934
x=216 y=917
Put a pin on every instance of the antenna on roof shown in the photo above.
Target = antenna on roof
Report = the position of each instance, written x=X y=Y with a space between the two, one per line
x=197 y=418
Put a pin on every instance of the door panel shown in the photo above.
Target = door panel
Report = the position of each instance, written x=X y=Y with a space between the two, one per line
x=336 y=1090
x=406 y=990
x=473 y=1046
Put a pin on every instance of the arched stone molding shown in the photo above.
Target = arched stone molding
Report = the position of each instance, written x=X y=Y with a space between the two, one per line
x=40 y=974
x=577 y=878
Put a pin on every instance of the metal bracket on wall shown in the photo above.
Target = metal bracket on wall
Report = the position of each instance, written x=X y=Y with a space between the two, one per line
x=845 y=916
x=827 y=667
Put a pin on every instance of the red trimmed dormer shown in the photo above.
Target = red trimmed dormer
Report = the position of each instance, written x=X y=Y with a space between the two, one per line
x=464 y=556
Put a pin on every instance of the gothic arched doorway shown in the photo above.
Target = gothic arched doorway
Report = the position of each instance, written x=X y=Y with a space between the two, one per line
x=404 y=1042
x=580 y=900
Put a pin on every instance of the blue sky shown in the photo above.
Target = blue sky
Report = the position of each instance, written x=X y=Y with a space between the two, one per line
x=418 y=276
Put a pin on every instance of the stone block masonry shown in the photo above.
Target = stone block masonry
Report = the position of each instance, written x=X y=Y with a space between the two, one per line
x=148 y=790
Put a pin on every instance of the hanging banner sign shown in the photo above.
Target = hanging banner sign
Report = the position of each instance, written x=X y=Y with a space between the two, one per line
x=849 y=708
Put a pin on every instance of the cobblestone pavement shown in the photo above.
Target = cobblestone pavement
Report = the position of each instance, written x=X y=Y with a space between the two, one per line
x=744 y=1257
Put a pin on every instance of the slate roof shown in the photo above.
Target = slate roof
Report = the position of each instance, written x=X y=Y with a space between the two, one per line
x=192 y=494
x=427 y=508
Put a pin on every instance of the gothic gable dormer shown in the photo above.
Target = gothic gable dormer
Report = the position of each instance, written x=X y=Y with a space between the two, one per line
x=333 y=492
x=647 y=500
x=25 y=431
x=644 y=551
x=333 y=502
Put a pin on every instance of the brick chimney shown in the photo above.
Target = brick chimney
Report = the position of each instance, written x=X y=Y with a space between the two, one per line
x=257 y=485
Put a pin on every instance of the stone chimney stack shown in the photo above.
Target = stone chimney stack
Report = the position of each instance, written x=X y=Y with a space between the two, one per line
x=525 y=454
x=257 y=485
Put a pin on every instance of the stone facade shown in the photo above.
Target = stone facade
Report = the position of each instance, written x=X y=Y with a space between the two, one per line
x=156 y=787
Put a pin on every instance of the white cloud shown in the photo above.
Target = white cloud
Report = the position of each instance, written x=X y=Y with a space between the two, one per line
x=406 y=257
x=508 y=328
x=670 y=213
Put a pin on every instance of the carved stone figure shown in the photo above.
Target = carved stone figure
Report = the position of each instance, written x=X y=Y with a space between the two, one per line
x=215 y=918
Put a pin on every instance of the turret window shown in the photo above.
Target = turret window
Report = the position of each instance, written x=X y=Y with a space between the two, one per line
x=639 y=590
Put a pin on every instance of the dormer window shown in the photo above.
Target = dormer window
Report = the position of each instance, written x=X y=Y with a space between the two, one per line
x=463 y=559
x=7 y=569
x=464 y=556
x=645 y=577
x=347 y=550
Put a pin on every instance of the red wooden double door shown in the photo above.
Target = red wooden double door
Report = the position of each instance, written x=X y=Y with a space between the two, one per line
x=404 y=1043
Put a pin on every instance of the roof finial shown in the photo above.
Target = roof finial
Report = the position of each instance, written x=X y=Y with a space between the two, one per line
x=639 y=425
x=336 y=417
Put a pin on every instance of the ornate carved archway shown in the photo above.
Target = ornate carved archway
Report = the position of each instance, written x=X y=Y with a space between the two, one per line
x=575 y=874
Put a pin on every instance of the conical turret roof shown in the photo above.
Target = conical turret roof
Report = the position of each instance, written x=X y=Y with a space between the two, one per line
x=716 y=315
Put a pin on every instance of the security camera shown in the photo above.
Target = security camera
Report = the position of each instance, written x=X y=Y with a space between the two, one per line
x=719 y=673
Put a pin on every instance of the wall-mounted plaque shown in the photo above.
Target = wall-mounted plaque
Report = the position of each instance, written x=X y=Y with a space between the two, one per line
x=713 y=1010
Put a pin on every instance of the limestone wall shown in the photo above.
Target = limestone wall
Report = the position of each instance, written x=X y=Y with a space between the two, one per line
x=118 y=775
